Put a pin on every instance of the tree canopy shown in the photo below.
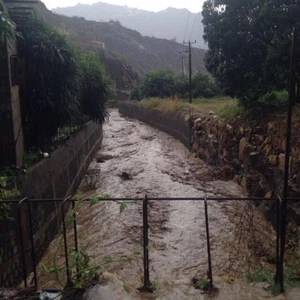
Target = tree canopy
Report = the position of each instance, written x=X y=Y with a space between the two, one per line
x=7 y=26
x=62 y=84
x=165 y=84
x=249 y=45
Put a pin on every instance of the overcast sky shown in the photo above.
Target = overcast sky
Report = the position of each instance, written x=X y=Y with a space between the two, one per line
x=152 y=5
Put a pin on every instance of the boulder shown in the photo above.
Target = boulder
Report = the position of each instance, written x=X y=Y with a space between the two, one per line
x=273 y=160
x=259 y=139
x=281 y=159
x=244 y=150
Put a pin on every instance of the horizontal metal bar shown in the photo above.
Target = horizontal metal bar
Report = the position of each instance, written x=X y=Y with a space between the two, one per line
x=155 y=199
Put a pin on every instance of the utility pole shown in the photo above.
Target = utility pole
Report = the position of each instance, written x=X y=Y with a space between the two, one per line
x=190 y=67
x=182 y=63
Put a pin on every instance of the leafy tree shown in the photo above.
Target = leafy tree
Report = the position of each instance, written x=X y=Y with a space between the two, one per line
x=50 y=91
x=7 y=26
x=61 y=84
x=165 y=84
x=136 y=94
x=95 y=87
x=249 y=44
x=158 y=84
x=203 y=86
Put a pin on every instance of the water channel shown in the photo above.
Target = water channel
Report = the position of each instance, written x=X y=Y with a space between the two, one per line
x=135 y=160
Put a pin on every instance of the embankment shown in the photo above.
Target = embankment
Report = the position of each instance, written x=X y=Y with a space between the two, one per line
x=251 y=152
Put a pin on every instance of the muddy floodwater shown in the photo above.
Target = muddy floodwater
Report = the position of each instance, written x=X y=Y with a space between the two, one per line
x=135 y=160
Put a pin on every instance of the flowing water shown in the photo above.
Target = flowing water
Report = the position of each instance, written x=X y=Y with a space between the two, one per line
x=135 y=160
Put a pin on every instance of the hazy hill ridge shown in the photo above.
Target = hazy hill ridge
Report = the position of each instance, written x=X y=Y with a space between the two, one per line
x=167 y=24
x=142 y=53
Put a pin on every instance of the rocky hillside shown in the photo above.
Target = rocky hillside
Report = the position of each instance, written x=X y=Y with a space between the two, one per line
x=129 y=55
x=172 y=23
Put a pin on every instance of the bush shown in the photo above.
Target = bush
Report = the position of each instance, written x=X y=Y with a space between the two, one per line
x=94 y=87
x=164 y=84
x=136 y=94
x=50 y=91
x=274 y=100
x=203 y=86
x=61 y=85
x=158 y=84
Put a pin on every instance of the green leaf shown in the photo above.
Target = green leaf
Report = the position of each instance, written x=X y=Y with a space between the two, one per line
x=123 y=206
x=70 y=219
x=94 y=201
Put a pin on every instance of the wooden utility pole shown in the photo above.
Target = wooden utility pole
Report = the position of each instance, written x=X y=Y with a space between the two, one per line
x=182 y=63
x=190 y=67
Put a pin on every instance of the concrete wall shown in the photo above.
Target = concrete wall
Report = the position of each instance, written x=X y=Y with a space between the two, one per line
x=11 y=132
x=56 y=177
x=174 y=125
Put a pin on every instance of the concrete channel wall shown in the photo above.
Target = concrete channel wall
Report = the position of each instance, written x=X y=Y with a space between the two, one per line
x=173 y=124
x=56 y=177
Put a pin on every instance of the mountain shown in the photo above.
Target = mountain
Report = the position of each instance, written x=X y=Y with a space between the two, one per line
x=127 y=55
x=172 y=23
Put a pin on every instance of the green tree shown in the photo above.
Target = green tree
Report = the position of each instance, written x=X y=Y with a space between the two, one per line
x=249 y=44
x=7 y=26
x=203 y=86
x=158 y=84
x=95 y=88
x=50 y=91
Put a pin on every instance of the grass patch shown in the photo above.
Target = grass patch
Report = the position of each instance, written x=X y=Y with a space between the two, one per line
x=222 y=106
x=291 y=275
x=260 y=275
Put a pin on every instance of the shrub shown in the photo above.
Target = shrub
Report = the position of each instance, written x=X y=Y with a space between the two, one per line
x=274 y=100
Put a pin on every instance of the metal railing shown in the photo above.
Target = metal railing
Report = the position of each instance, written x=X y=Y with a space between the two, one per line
x=280 y=233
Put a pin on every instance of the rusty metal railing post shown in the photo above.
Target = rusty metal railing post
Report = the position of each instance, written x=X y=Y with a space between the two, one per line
x=209 y=272
x=292 y=96
x=147 y=283
x=75 y=237
x=69 y=282
x=22 y=241
x=33 y=256
x=279 y=266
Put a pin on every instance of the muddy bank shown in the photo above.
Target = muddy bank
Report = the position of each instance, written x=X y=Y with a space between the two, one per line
x=160 y=166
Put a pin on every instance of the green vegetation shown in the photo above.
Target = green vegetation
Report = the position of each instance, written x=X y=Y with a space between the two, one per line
x=291 y=275
x=249 y=45
x=224 y=107
x=201 y=284
x=7 y=26
x=8 y=190
x=274 y=100
x=83 y=271
x=62 y=84
x=164 y=84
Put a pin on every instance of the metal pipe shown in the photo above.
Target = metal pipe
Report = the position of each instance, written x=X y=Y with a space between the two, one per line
x=278 y=219
x=75 y=237
x=65 y=242
x=157 y=199
x=209 y=272
x=22 y=241
x=292 y=95
x=32 y=245
x=147 y=284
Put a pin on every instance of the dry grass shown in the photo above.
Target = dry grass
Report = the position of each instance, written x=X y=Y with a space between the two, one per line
x=223 y=106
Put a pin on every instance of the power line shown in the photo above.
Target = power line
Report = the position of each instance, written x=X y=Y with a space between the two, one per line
x=191 y=32
x=187 y=23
